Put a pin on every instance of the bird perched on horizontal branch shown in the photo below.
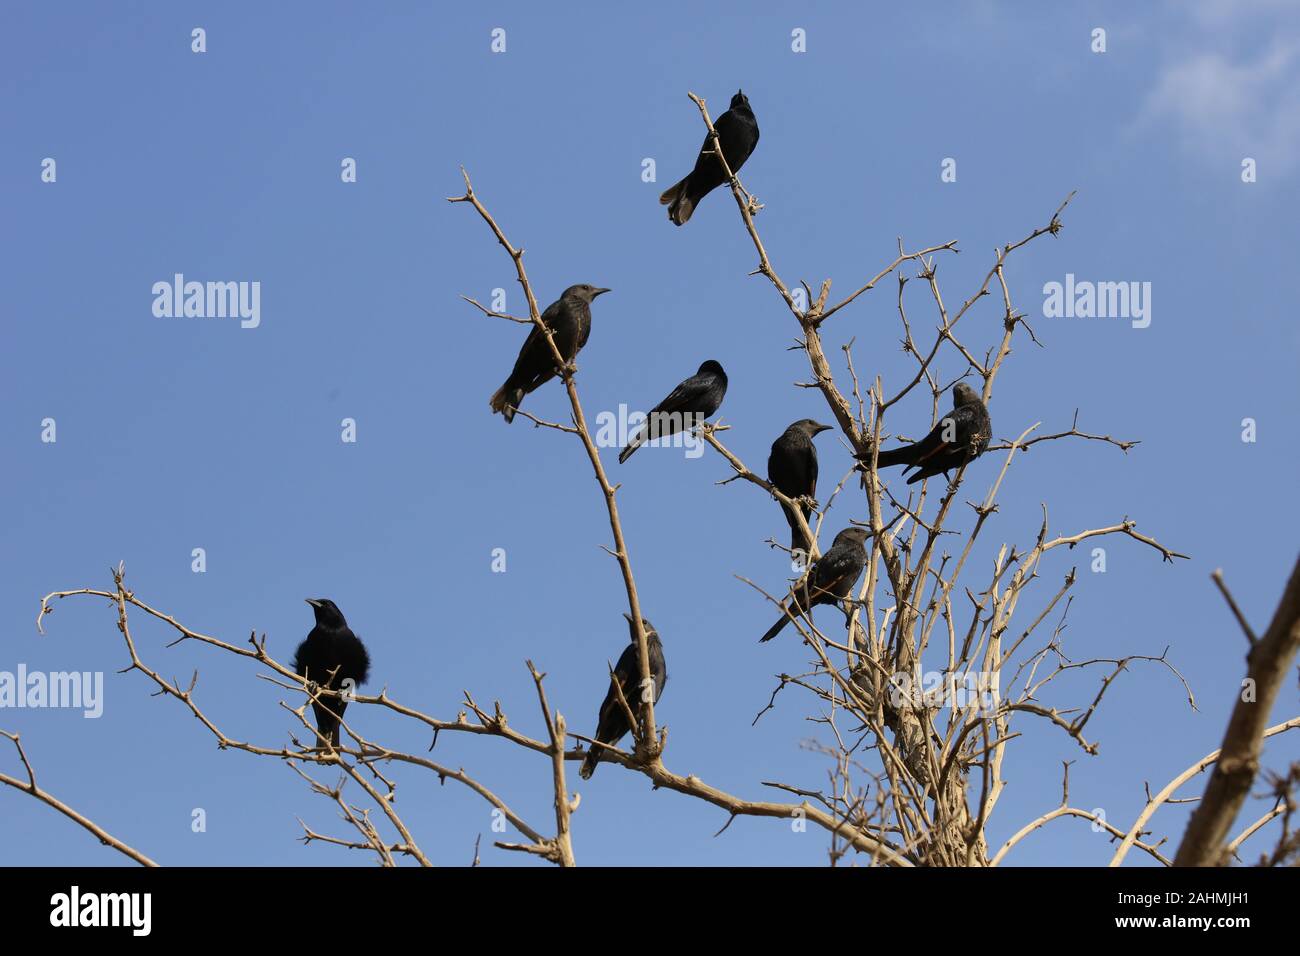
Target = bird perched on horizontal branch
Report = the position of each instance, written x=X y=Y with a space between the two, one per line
x=737 y=131
x=613 y=723
x=829 y=580
x=335 y=660
x=686 y=406
x=569 y=319
x=959 y=437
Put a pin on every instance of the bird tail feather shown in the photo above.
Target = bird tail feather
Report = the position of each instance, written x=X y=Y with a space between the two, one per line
x=775 y=629
x=589 y=764
x=680 y=211
x=506 y=399
x=895 y=456
x=679 y=202
x=798 y=540
x=669 y=195
x=633 y=444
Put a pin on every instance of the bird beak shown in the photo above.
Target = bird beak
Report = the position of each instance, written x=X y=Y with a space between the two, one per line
x=314 y=602
x=822 y=428
x=628 y=616
x=599 y=292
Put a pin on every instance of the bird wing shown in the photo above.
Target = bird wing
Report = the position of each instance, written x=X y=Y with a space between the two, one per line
x=727 y=126
x=836 y=569
x=528 y=354
x=727 y=123
x=963 y=418
x=535 y=364
x=966 y=421
x=792 y=468
x=658 y=668
x=681 y=400
x=829 y=581
x=685 y=397
x=625 y=671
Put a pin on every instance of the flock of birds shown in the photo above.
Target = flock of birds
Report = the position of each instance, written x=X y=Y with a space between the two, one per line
x=335 y=659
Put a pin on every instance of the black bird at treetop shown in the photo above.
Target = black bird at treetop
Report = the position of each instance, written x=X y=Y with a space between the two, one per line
x=737 y=131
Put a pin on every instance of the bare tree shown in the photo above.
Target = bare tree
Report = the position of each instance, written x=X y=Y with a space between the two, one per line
x=922 y=695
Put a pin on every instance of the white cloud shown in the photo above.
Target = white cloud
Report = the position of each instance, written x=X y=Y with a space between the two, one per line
x=1220 y=13
x=1225 y=106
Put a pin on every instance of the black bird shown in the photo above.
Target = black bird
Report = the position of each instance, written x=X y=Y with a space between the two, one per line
x=792 y=469
x=959 y=437
x=689 y=404
x=569 y=317
x=830 y=579
x=612 y=724
x=331 y=655
x=738 y=132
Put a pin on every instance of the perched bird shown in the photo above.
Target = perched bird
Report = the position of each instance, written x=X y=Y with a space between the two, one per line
x=959 y=437
x=792 y=469
x=689 y=404
x=331 y=655
x=569 y=317
x=830 y=579
x=612 y=724
x=738 y=133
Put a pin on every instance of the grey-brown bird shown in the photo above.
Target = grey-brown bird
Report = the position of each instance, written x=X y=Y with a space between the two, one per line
x=830 y=579
x=959 y=437
x=569 y=318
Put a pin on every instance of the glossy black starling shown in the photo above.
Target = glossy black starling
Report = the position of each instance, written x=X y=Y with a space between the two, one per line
x=331 y=655
x=738 y=132
x=569 y=317
x=792 y=469
x=686 y=406
x=613 y=724
x=831 y=578
x=959 y=437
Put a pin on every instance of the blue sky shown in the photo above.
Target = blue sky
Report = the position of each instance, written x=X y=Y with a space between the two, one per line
x=180 y=433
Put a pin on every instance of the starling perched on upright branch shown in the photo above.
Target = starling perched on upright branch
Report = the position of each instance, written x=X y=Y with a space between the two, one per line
x=792 y=469
x=829 y=580
x=569 y=318
x=613 y=724
x=687 y=405
x=959 y=437
x=737 y=131
x=331 y=656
